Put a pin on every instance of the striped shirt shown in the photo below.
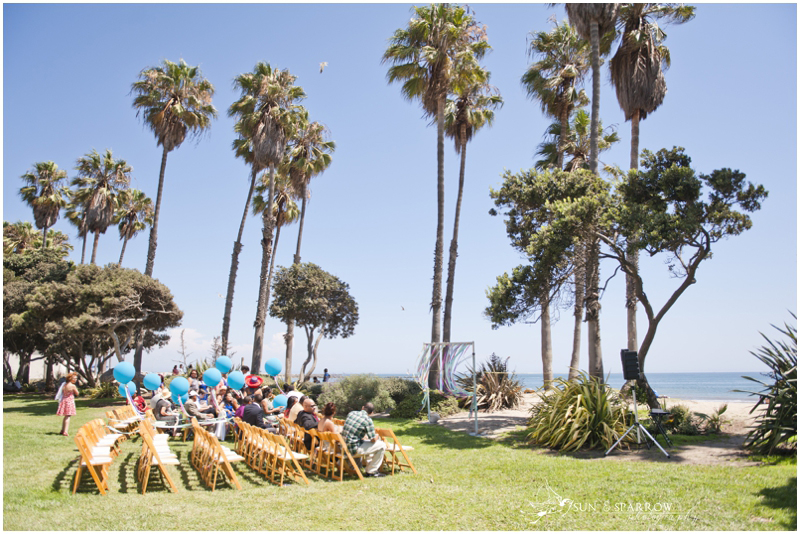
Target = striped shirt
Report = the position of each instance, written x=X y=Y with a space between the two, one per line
x=357 y=427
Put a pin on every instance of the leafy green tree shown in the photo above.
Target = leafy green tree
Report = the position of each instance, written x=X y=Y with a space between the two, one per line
x=267 y=119
x=423 y=56
x=44 y=192
x=174 y=100
x=637 y=73
x=555 y=78
x=100 y=180
x=91 y=314
x=472 y=109
x=134 y=213
x=592 y=22
x=309 y=156
x=317 y=301
x=668 y=209
x=530 y=200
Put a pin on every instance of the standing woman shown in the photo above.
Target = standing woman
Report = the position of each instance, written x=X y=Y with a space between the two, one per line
x=67 y=405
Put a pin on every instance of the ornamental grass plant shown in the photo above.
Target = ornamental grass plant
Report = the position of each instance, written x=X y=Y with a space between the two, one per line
x=583 y=413
x=498 y=389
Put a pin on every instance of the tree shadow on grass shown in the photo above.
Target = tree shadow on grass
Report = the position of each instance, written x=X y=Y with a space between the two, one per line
x=783 y=498
x=46 y=405
x=438 y=436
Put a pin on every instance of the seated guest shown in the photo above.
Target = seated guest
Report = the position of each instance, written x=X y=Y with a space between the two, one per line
x=297 y=408
x=361 y=438
x=307 y=419
x=139 y=402
x=193 y=409
x=253 y=415
x=240 y=410
x=290 y=402
x=326 y=424
x=289 y=391
x=194 y=380
x=164 y=412
x=266 y=402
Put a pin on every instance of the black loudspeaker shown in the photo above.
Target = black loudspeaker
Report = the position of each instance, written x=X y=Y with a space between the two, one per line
x=630 y=364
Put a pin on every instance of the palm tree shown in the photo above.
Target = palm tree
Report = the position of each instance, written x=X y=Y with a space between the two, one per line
x=76 y=215
x=100 y=179
x=563 y=61
x=593 y=21
x=59 y=241
x=267 y=120
x=309 y=156
x=423 y=56
x=45 y=194
x=134 y=213
x=175 y=101
x=472 y=110
x=19 y=237
x=637 y=73
x=577 y=145
x=285 y=209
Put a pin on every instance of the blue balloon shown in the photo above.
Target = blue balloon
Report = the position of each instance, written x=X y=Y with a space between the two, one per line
x=211 y=377
x=280 y=401
x=130 y=386
x=179 y=385
x=224 y=364
x=152 y=381
x=183 y=398
x=236 y=380
x=273 y=366
x=124 y=372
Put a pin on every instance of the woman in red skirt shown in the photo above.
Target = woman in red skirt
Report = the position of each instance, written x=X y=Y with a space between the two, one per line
x=67 y=405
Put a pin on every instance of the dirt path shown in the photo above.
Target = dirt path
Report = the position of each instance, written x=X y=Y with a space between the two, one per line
x=726 y=450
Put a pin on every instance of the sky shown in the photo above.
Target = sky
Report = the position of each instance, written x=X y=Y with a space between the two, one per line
x=371 y=220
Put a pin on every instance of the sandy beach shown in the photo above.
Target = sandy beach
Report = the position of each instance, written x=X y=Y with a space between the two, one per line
x=725 y=450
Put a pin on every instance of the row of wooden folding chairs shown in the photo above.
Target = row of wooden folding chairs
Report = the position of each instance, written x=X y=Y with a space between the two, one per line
x=123 y=419
x=155 y=452
x=97 y=451
x=270 y=454
x=208 y=456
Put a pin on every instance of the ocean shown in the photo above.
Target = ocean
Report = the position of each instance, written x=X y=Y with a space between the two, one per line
x=685 y=386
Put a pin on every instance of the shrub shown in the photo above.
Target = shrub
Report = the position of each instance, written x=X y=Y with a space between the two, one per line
x=401 y=388
x=104 y=390
x=715 y=421
x=678 y=414
x=412 y=407
x=584 y=413
x=352 y=392
x=777 y=425
x=497 y=389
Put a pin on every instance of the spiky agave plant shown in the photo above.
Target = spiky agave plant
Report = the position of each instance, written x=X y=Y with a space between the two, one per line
x=777 y=424
x=497 y=388
x=582 y=413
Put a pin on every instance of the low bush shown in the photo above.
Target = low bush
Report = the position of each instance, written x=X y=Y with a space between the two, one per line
x=104 y=390
x=412 y=407
x=401 y=388
x=584 y=413
x=715 y=421
x=352 y=392
x=497 y=388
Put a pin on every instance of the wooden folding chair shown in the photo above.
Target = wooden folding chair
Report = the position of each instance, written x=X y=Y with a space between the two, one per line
x=339 y=459
x=393 y=447
x=211 y=457
x=96 y=465
x=153 y=454
x=285 y=462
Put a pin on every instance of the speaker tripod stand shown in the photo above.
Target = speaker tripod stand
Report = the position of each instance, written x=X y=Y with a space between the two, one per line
x=639 y=429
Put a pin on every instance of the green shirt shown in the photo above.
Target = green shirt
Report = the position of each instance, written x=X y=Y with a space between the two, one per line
x=357 y=427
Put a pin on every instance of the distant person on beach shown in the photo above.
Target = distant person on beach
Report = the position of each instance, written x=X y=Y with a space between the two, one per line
x=316 y=380
x=325 y=375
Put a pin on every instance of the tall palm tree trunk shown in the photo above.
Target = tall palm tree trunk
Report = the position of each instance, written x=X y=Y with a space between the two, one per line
x=94 y=247
x=83 y=249
x=237 y=248
x=580 y=288
x=630 y=292
x=451 y=266
x=562 y=137
x=151 y=249
x=263 y=290
x=438 y=255
x=44 y=237
x=122 y=253
x=547 y=342
x=593 y=249
x=289 y=337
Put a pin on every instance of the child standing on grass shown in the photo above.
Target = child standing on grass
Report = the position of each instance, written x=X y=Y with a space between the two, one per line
x=67 y=405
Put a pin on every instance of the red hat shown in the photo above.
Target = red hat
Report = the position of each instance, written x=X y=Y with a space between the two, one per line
x=253 y=381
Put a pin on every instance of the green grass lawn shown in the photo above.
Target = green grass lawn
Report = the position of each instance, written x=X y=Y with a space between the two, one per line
x=464 y=483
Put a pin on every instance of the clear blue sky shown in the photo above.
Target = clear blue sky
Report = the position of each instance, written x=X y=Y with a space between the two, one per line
x=732 y=102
